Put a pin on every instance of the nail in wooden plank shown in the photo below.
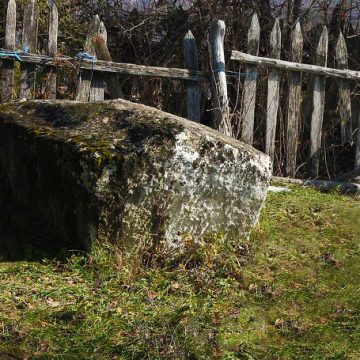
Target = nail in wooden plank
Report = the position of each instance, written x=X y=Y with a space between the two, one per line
x=273 y=94
x=7 y=73
x=29 y=42
x=220 y=114
x=249 y=93
x=192 y=88
x=294 y=103
x=318 y=105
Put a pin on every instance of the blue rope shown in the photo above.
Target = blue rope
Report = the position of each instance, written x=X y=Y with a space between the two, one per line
x=83 y=55
x=13 y=54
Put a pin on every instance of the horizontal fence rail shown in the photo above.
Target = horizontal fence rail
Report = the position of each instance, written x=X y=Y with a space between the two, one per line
x=292 y=66
x=106 y=66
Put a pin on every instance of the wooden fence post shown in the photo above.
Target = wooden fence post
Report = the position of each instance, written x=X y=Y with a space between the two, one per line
x=103 y=32
x=50 y=89
x=221 y=119
x=318 y=105
x=29 y=43
x=357 y=151
x=111 y=79
x=294 y=103
x=249 y=92
x=273 y=94
x=192 y=88
x=97 y=88
x=344 y=105
x=7 y=76
x=86 y=76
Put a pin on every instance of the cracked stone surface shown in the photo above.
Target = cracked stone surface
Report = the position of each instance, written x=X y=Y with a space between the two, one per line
x=126 y=173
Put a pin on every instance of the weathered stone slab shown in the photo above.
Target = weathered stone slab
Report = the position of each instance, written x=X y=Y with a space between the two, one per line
x=127 y=173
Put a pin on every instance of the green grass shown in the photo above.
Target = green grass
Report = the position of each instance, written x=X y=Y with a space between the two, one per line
x=291 y=292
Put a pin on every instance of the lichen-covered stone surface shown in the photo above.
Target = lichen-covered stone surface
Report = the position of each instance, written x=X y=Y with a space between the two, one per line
x=126 y=173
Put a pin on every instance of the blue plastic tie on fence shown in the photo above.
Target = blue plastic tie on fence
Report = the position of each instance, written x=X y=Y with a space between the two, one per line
x=26 y=49
x=237 y=74
x=83 y=55
x=12 y=54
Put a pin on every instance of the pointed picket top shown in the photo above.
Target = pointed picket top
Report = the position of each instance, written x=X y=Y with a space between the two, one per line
x=341 y=52
x=297 y=43
x=322 y=48
x=191 y=54
x=189 y=35
x=253 y=36
x=103 y=32
x=275 y=40
x=10 y=32
x=94 y=29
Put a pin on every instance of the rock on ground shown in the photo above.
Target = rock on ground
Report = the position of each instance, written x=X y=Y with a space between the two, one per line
x=126 y=173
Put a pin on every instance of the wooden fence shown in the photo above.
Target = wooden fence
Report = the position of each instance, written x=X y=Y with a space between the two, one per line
x=96 y=73
x=319 y=71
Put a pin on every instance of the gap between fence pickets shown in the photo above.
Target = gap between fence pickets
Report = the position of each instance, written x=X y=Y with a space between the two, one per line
x=324 y=185
x=292 y=66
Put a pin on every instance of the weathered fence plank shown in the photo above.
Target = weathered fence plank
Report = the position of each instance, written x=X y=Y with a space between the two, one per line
x=345 y=187
x=29 y=43
x=192 y=88
x=249 y=93
x=357 y=151
x=86 y=76
x=102 y=53
x=111 y=67
x=273 y=94
x=103 y=32
x=221 y=119
x=7 y=73
x=318 y=105
x=344 y=105
x=97 y=88
x=294 y=103
x=290 y=66
x=50 y=89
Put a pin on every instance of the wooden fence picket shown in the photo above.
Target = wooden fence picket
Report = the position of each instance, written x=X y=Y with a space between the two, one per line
x=103 y=32
x=192 y=88
x=294 y=103
x=87 y=76
x=318 y=105
x=29 y=43
x=249 y=93
x=97 y=88
x=221 y=119
x=357 y=151
x=344 y=106
x=111 y=79
x=7 y=73
x=273 y=94
x=50 y=89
